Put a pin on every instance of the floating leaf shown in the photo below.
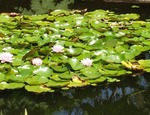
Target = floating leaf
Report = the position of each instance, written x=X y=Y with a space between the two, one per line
x=43 y=71
x=112 y=73
x=25 y=70
x=74 y=51
x=98 y=80
x=144 y=63
x=5 y=85
x=90 y=73
x=36 y=80
x=78 y=84
x=38 y=89
x=2 y=77
x=52 y=83
x=59 y=68
x=75 y=64
x=66 y=76
x=86 y=36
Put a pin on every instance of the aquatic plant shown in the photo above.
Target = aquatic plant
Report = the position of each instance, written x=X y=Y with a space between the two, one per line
x=87 y=62
x=6 y=57
x=37 y=61
x=57 y=48
x=65 y=49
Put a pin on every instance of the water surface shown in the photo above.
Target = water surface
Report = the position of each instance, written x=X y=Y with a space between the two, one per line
x=129 y=97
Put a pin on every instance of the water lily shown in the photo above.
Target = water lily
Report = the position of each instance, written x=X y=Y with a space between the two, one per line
x=37 y=61
x=6 y=57
x=58 y=48
x=87 y=62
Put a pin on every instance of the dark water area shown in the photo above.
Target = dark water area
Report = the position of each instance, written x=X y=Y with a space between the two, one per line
x=129 y=97
x=14 y=6
x=132 y=97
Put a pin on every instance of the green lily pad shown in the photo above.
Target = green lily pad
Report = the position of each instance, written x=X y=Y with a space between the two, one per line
x=114 y=73
x=32 y=39
x=111 y=80
x=74 y=51
x=78 y=84
x=86 y=36
x=75 y=64
x=59 y=12
x=52 y=83
x=98 y=80
x=15 y=85
x=2 y=77
x=66 y=76
x=56 y=78
x=5 y=18
x=144 y=63
x=98 y=24
x=131 y=16
x=5 y=85
x=17 y=62
x=25 y=70
x=117 y=58
x=59 y=68
x=38 y=89
x=36 y=80
x=90 y=73
x=43 y=71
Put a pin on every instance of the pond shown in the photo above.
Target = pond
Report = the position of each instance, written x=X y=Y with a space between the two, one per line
x=131 y=96
x=128 y=97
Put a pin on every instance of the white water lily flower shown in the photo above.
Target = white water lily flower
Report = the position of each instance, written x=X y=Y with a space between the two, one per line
x=6 y=57
x=58 y=48
x=87 y=62
x=37 y=61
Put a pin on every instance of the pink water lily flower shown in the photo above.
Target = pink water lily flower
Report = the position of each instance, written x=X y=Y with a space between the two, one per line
x=57 y=48
x=37 y=61
x=6 y=57
x=87 y=62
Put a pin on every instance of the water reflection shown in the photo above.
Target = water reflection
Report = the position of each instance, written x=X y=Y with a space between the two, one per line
x=44 y=6
x=130 y=96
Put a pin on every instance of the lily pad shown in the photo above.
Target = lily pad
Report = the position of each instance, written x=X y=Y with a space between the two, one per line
x=75 y=64
x=78 y=84
x=66 y=76
x=90 y=73
x=98 y=80
x=36 y=80
x=144 y=63
x=74 y=51
x=2 y=77
x=43 y=71
x=52 y=83
x=5 y=85
x=38 y=89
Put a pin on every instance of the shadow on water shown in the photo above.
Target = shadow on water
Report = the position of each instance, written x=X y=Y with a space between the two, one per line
x=132 y=96
x=44 y=6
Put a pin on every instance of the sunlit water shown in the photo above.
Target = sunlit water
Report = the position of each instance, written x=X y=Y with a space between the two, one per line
x=129 y=97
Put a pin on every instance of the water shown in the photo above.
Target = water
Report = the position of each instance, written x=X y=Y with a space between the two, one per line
x=131 y=96
x=44 y=6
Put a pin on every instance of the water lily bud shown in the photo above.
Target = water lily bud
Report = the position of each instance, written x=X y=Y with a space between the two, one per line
x=87 y=62
x=6 y=57
x=58 y=48
x=37 y=61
